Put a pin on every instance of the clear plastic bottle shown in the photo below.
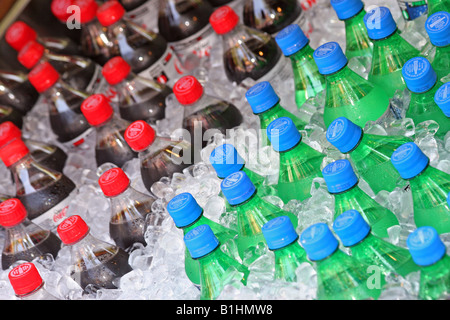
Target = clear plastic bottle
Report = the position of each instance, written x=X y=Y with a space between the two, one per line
x=16 y=91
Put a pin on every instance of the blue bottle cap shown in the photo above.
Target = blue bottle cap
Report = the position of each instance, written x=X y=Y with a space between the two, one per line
x=346 y=9
x=283 y=134
x=184 y=209
x=261 y=97
x=318 y=241
x=379 y=23
x=339 y=176
x=237 y=188
x=425 y=246
x=200 y=241
x=438 y=28
x=409 y=160
x=442 y=98
x=329 y=58
x=419 y=75
x=225 y=160
x=291 y=39
x=279 y=232
x=344 y=134
x=351 y=227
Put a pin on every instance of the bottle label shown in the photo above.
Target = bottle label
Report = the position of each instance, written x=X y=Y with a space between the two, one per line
x=412 y=9
x=78 y=140
x=199 y=43
x=146 y=15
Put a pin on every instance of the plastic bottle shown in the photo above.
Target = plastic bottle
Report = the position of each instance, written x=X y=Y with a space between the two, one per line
x=429 y=253
x=299 y=163
x=442 y=99
x=159 y=156
x=438 y=30
x=45 y=193
x=355 y=234
x=142 y=12
x=357 y=42
x=63 y=103
x=422 y=82
x=437 y=5
x=139 y=98
x=308 y=81
x=110 y=144
x=429 y=187
x=282 y=239
x=362 y=101
x=93 y=261
x=339 y=276
x=130 y=209
x=16 y=91
x=10 y=114
x=369 y=153
x=214 y=265
x=28 y=284
x=187 y=215
x=342 y=183
x=24 y=240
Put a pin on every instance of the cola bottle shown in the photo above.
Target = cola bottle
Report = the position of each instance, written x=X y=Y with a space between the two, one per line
x=142 y=12
x=10 y=114
x=110 y=144
x=139 y=98
x=16 y=91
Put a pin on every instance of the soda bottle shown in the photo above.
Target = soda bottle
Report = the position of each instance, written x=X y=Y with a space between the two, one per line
x=92 y=260
x=142 y=12
x=215 y=266
x=362 y=101
x=159 y=156
x=203 y=112
x=429 y=253
x=299 y=163
x=10 y=114
x=282 y=239
x=48 y=155
x=308 y=81
x=110 y=145
x=422 y=82
x=45 y=193
x=235 y=4
x=129 y=208
x=342 y=183
x=441 y=99
x=187 y=215
x=429 y=187
x=437 y=27
x=16 y=91
x=27 y=283
x=339 y=276
x=63 y=102
x=24 y=240
x=369 y=153
x=437 y=5
x=357 y=41
x=252 y=213
x=139 y=98
x=355 y=234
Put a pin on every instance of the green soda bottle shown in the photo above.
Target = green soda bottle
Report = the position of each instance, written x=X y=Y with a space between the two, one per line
x=429 y=187
x=422 y=82
x=307 y=79
x=429 y=253
x=357 y=41
x=342 y=183
x=354 y=232
x=252 y=213
x=187 y=215
x=282 y=239
x=339 y=276
x=214 y=265
x=299 y=163
x=442 y=99
x=390 y=51
x=369 y=153
x=438 y=30
x=437 y=5
x=347 y=93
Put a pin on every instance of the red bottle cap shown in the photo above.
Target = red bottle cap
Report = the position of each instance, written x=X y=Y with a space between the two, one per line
x=43 y=76
x=110 y=12
x=12 y=212
x=13 y=152
x=139 y=135
x=116 y=70
x=223 y=20
x=59 y=9
x=8 y=132
x=72 y=229
x=19 y=34
x=88 y=9
x=96 y=109
x=30 y=54
x=187 y=90
x=25 y=278
x=113 y=182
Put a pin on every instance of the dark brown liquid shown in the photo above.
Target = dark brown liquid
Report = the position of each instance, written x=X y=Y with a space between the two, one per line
x=79 y=78
x=114 y=150
x=11 y=114
x=21 y=96
x=218 y=3
x=54 y=160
